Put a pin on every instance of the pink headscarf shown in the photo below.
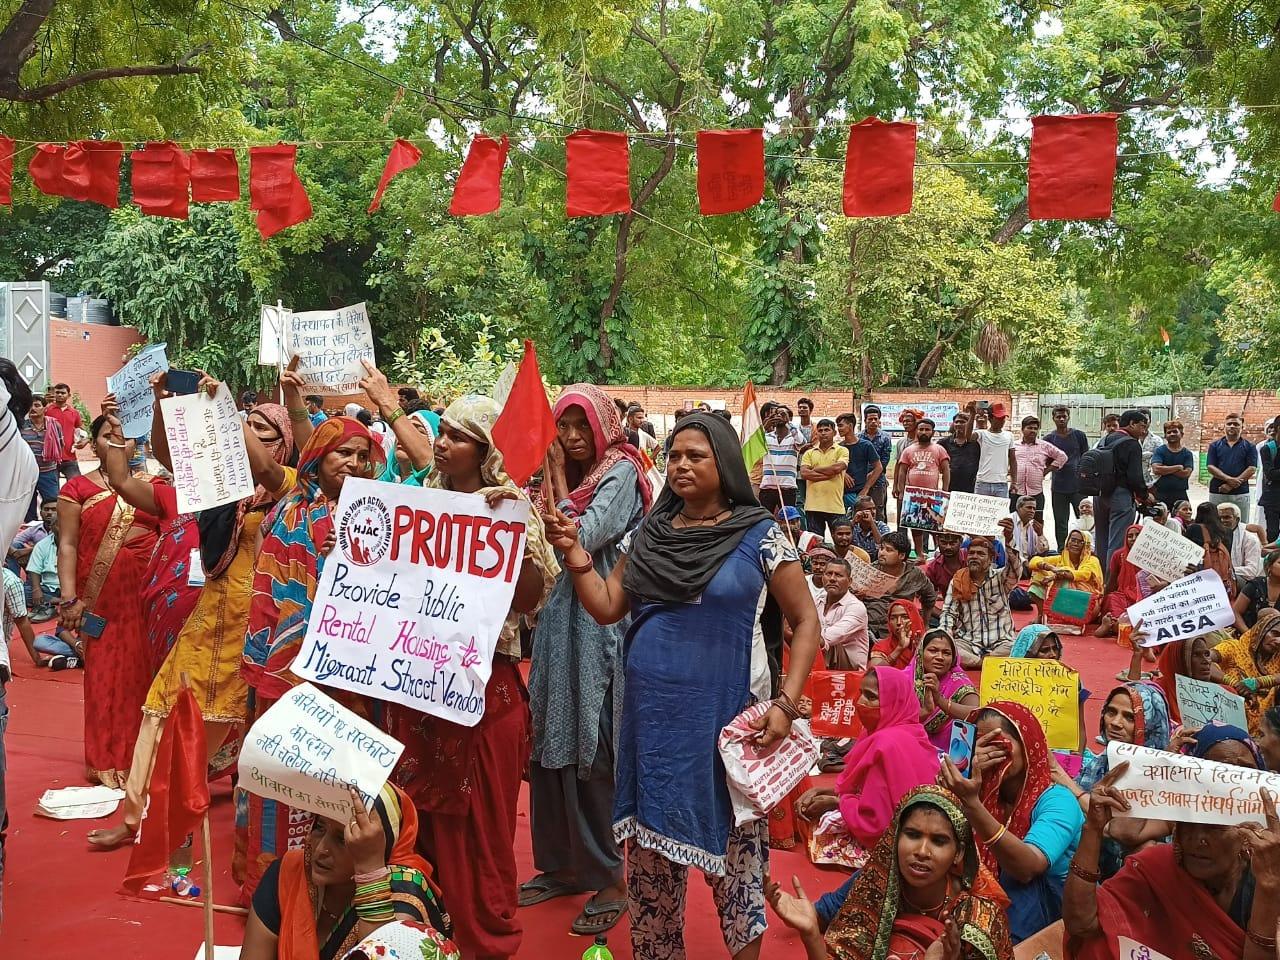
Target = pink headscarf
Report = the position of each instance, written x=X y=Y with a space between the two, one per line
x=611 y=443
x=887 y=762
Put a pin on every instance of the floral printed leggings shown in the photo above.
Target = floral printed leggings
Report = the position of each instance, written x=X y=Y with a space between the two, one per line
x=656 y=889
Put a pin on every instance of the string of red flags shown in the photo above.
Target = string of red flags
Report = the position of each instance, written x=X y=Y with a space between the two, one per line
x=1070 y=172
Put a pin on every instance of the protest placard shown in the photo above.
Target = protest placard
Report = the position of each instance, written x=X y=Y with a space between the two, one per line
x=414 y=595
x=867 y=581
x=1133 y=950
x=942 y=412
x=330 y=345
x=132 y=386
x=1200 y=702
x=206 y=446
x=307 y=748
x=975 y=514
x=1047 y=688
x=1185 y=609
x=1169 y=786
x=273 y=331
x=1164 y=552
x=834 y=694
x=923 y=509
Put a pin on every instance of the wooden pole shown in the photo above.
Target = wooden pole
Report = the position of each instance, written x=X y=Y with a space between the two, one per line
x=218 y=907
x=208 y=887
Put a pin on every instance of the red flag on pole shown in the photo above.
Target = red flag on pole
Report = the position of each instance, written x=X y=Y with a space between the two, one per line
x=597 y=164
x=6 y=171
x=178 y=797
x=275 y=191
x=403 y=156
x=161 y=178
x=84 y=170
x=1072 y=173
x=879 y=168
x=215 y=175
x=730 y=170
x=526 y=427
x=479 y=187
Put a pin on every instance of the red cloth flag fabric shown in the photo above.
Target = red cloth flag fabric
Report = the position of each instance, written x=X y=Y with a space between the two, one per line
x=879 y=168
x=479 y=187
x=161 y=178
x=403 y=156
x=834 y=694
x=730 y=170
x=178 y=796
x=215 y=175
x=526 y=426
x=1275 y=204
x=1072 y=173
x=6 y=171
x=83 y=170
x=597 y=163
x=275 y=191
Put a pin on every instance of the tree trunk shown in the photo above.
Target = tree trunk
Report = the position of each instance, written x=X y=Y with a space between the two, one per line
x=856 y=331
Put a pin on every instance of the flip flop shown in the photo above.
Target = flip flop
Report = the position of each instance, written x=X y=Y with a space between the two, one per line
x=545 y=887
x=598 y=916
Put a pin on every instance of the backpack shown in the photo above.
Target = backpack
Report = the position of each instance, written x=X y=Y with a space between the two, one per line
x=1097 y=467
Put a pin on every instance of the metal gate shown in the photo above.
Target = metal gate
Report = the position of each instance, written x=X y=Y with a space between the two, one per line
x=1088 y=409
x=24 y=330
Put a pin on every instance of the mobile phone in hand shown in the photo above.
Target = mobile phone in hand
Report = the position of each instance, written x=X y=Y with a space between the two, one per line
x=92 y=625
x=182 y=382
x=960 y=750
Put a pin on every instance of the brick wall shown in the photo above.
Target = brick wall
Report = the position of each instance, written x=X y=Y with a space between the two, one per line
x=1259 y=407
x=1189 y=408
x=83 y=355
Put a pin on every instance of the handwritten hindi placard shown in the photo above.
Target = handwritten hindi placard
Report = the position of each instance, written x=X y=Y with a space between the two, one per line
x=1047 y=688
x=330 y=345
x=834 y=694
x=413 y=597
x=1185 y=609
x=923 y=509
x=868 y=581
x=273 y=329
x=975 y=514
x=206 y=444
x=1170 y=786
x=1201 y=703
x=307 y=748
x=132 y=386
x=1128 y=950
x=1164 y=552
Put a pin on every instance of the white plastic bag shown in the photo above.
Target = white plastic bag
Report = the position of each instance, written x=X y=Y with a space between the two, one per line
x=760 y=780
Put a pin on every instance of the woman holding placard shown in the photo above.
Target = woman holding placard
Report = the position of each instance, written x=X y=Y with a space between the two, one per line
x=1251 y=664
x=693 y=576
x=466 y=780
x=296 y=535
x=1125 y=585
x=1190 y=658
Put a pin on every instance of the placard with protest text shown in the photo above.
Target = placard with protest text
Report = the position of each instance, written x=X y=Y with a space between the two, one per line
x=206 y=447
x=132 y=386
x=1047 y=688
x=1164 y=552
x=1185 y=609
x=1201 y=702
x=330 y=345
x=1169 y=786
x=975 y=514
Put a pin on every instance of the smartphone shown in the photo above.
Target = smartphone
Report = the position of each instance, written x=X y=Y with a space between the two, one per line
x=93 y=625
x=960 y=749
x=1039 y=516
x=182 y=382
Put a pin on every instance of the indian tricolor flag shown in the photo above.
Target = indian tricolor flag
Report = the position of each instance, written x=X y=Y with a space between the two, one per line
x=1164 y=336
x=752 y=432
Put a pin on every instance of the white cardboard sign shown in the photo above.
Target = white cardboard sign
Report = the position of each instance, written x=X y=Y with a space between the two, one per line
x=330 y=345
x=414 y=595
x=273 y=330
x=206 y=444
x=1164 y=552
x=132 y=386
x=1169 y=786
x=975 y=514
x=1187 y=608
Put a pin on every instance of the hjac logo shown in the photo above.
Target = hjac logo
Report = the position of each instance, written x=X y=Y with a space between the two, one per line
x=365 y=532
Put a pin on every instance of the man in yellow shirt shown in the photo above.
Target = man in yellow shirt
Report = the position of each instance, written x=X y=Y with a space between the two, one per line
x=823 y=468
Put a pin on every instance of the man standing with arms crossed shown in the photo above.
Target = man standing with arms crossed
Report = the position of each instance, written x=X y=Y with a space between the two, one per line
x=1233 y=460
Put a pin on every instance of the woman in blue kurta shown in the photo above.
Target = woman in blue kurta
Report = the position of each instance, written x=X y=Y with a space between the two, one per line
x=694 y=576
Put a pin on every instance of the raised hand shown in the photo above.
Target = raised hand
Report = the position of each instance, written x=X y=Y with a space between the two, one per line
x=364 y=837
x=797 y=912
x=1105 y=801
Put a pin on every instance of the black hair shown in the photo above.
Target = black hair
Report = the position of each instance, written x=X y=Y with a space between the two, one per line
x=409 y=392
x=849 y=418
x=61 y=386
x=95 y=428
x=365 y=417
x=1272 y=718
x=841 y=522
x=1062 y=408
x=1007 y=725
x=871 y=408
x=1207 y=517
x=827 y=422
x=314 y=398
x=805 y=400
x=848 y=568
x=898 y=540
x=766 y=408
x=931 y=424
x=1132 y=416
x=726 y=414
x=19 y=389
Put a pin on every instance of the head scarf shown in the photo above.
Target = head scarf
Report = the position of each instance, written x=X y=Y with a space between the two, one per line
x=1151 y=728
x=1029 y=640
x=392 y=472
x=220 y=527
x=1214 y=733
x=954 y=686
x=888 y=644
x=962 y=586
x=864 y=925
x=298 y=939
x=887 y=761
x=1174 y=659
x=610 y=442
x=1036 y=777
x=288 y=566
x=670 y=565
x=1127 y=573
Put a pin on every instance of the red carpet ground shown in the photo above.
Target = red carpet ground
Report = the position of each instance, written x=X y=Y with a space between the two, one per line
x=62 y=900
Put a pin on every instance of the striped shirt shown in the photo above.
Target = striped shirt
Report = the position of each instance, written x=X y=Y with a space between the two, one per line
x=781 y=460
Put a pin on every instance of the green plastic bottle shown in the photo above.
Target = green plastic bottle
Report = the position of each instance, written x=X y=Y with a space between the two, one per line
x=598 y=950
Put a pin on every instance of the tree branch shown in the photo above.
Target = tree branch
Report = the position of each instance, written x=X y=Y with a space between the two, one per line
x=17 y=94
x=1013 y=224
x=18 y=39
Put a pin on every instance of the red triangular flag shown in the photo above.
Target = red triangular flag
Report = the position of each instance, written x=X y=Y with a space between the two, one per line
x=526 y=427
x=275 y=191
x=597 y=165
x=178 y=795
x=6 y=171
x=1072 y=173
x=403 y=156
x=730 y=170
x=215 y=175
x=479 y=187
x=879 y=168
x=161 y=178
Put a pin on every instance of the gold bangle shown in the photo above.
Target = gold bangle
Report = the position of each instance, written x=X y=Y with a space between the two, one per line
x=999 y=833
x=297 y=416
x=396 y=414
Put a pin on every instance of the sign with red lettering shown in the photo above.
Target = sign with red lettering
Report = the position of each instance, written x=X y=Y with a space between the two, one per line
x=834 y=693
x=413 y=597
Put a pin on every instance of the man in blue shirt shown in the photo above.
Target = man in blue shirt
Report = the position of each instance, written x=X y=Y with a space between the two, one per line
x=315 y=409
x=1172 y=464
x=872 y=433
x=865 y=469
x=1065 y=486
x=1232 y=461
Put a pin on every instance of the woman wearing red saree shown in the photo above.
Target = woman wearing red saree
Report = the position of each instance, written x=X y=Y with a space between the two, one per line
x=1122 y=588
x=104 y=547
x=898 y=648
